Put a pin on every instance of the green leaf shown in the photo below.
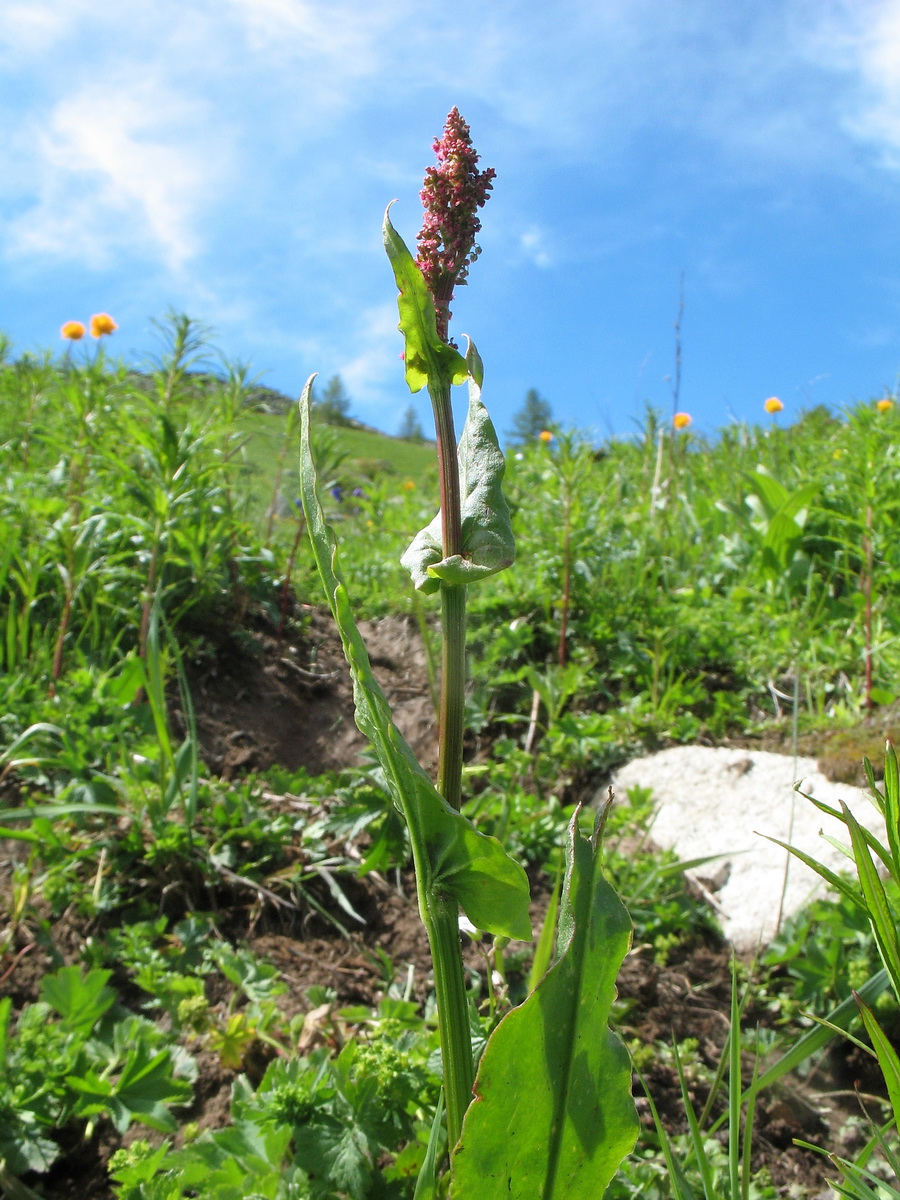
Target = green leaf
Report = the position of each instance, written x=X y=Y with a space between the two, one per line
x=334 y=1150
x=452 y=857
x=81 y=1002
x=488 y=545
x=887 y=1055
x=681 y=1189
x=772 y=497
x=871 y=840
x=889 y=805
x=244 y=1156
x=23 y=1147
x=57 y=812
x=780 y=544
x=21 y=835
x=427 y=358
x=876 y=901
x=696 y=1135
x=144 y=1088
x=812 y=1042
x=123 y=687
x=543 y=951
x=781 y=515
x=5 y=1009
x=553 y=1114
x=837 y=881
x=140 y=1167
x=426 y=1183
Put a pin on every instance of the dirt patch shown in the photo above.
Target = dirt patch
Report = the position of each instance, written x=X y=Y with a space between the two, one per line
x=690 y=999
x=264 y=700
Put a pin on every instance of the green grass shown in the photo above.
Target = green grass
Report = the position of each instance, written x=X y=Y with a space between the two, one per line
x=662 y=584
x=367 y=453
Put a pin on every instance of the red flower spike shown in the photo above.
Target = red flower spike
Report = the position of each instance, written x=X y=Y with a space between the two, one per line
x=454 y=191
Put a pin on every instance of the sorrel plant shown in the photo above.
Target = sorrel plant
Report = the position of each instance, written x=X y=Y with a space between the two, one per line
x=550 y=1113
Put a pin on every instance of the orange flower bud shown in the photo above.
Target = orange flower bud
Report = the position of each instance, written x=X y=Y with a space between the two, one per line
x=681 y=420
x=545 y=436
x=73 y=330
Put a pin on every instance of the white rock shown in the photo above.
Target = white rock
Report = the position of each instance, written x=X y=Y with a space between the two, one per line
x=721 y=801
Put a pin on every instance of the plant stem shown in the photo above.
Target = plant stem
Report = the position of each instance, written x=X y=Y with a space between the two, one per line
x=453 y=682
x=442 y=925
x=448 y=470
x=441 y=914
x=453 y=604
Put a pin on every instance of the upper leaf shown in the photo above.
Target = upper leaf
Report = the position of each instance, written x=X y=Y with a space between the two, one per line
x=488 y=545
x=427 y=358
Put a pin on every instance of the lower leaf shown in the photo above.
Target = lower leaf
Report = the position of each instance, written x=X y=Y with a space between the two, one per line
x=553 y=1114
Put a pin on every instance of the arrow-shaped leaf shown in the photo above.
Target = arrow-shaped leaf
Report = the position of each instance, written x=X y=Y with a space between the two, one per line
x=553 y=1115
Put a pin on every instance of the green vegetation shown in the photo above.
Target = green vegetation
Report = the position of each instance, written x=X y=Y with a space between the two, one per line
x=666 y=588
x=227 y=960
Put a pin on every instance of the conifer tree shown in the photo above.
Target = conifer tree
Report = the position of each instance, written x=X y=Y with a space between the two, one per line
x=532 y=418
x=333 y=407
x=411 y=427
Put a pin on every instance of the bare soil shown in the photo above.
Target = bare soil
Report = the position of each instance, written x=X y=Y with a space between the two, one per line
x=264 y=700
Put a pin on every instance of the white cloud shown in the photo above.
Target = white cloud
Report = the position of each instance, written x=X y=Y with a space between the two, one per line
x=30 y=27
x=533 y=243
x=376 y=366
x=875 y=51
x=340 y=43
x=310 y=28
x=112 y=167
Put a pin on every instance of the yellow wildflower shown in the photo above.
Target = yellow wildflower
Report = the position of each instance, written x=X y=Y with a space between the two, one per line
x=102 y=323
x=545 y=436
x=73 y=330
x=773 y=405
x=681 y=420
x=885 y=404
x=409 y=486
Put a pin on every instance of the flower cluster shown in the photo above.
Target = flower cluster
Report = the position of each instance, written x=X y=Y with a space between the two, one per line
x=101 y=324
x=454 y=191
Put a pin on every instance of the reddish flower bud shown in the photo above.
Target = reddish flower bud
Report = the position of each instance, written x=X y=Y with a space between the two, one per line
x=454 y=191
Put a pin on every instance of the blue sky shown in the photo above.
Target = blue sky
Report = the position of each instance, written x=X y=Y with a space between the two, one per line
x=232 y=159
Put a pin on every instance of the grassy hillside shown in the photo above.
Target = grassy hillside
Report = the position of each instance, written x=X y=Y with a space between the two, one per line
x=199 y=947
